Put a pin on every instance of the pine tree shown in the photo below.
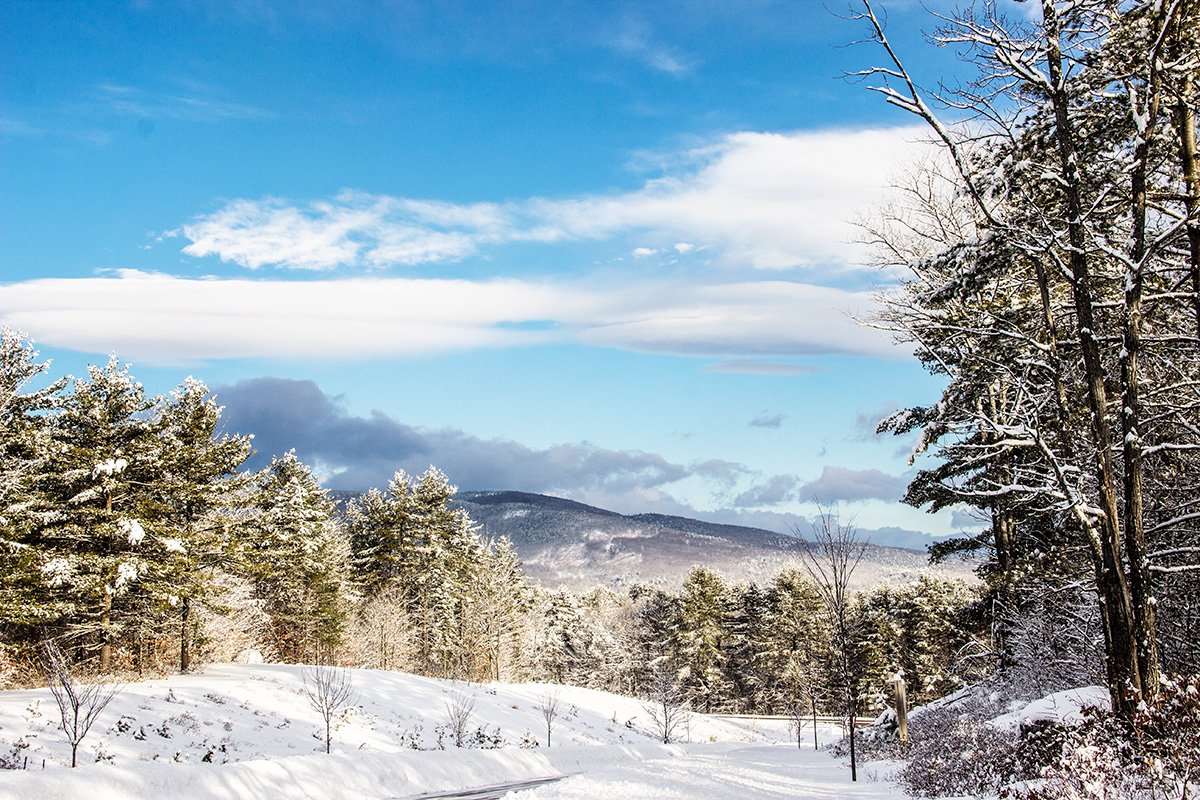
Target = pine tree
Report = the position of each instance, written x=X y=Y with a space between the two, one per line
x=495 y=611
x=702 y=636
x=299 y=561
x=413 y=541
x=27 y=571
x=102 y=527
x=200 y=488
x=798 y=653
x=746 y=669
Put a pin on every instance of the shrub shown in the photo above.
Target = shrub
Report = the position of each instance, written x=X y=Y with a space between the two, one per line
x=952 y=748
x=1156 y=757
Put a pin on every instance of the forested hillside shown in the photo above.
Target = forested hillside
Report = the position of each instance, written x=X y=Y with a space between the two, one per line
x=564 y=544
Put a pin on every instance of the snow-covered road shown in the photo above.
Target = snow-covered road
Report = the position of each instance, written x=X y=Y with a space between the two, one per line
x=750 y=773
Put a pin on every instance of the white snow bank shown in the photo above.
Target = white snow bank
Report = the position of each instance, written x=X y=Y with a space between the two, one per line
x=231 y=713
x=1063 y=708
x=247 y=731
x=353 y=776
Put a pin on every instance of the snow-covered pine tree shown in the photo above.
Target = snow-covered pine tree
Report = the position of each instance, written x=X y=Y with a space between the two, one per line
x=201 y=489
x=797 y=654
x=101 y=525
x=25 y=573
x=559 y=649
x=411 y=540
x=746 y=671
x=656 y=618
x=494 y=615
x=299 y=560
x=702 y=637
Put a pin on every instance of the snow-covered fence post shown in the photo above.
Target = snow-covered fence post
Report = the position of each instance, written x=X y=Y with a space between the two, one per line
x=897 y=684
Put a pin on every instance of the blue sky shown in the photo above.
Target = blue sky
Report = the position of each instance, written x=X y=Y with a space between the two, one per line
x=599 y=250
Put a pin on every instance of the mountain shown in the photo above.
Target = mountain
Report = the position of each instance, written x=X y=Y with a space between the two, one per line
x=569 y=545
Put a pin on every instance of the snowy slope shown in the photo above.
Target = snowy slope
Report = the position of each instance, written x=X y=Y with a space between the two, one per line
x=257 y=716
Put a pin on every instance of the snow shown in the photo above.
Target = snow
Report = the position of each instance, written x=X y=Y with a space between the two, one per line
x=1063 y=708
x=247 y=731
x=109 y=467
x=133 y=530
x=127 y=572
x=173 y=545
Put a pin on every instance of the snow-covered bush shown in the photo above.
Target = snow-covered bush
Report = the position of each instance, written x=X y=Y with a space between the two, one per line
x=1157 y=757
x=484 y=738
x=953 y=749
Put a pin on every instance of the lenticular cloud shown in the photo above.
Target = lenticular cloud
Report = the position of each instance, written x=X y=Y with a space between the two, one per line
x=760 y=200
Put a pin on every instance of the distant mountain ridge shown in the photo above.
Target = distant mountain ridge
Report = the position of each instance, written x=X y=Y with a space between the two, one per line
x=567 y=544
x=571 y=545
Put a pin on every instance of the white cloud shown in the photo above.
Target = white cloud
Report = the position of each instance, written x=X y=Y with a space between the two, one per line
x=140 y=102
x=164 y=319
x=763 y=200
x=633 y=40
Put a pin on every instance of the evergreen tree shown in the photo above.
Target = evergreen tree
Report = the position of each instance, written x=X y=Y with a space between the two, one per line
x=495 y=611
x=702 y=637
x=199 y=488
x=26 y=570
x=412 y=540
x=102 y=529
x=747 y=671
x=654 y=646
x=798 y=654
x=299 y=561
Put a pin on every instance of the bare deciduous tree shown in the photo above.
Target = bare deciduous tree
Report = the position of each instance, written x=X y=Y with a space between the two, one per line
x=458 y=717
x=328 y=690
x=665 y=704
x=547 y=704
x=79 y=703
x=830 y=559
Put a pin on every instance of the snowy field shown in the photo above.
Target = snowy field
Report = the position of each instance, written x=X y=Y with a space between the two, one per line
x=248 y=732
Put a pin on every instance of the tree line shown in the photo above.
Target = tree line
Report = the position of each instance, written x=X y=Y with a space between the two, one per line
x=132 y=538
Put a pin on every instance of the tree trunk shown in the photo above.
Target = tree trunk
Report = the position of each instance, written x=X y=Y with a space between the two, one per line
x=1141 y=597
x=1116 y=606
x=185 y=656
x=853 y=718
x=105 y=612
x=105 y=641
x=1185 y=123
x=813 y=698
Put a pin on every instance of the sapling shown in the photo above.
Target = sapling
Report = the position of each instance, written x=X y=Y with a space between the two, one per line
x=79 y=703
x=547 y=704
x=328 y=690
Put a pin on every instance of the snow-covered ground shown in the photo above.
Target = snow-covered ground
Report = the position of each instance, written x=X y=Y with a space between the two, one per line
x=248 y=732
